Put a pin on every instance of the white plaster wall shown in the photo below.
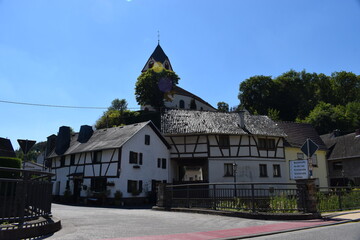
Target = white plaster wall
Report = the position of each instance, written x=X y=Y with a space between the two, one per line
x=148 y=170
x=247 y=170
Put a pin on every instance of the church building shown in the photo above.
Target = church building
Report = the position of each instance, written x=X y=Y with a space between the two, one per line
x=181 y=99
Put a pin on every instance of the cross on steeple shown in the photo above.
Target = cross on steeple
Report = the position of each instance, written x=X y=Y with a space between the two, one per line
x=158 y=37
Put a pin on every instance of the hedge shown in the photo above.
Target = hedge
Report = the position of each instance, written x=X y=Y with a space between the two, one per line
x=9 y=162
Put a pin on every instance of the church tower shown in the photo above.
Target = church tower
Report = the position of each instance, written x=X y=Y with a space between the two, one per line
x=158 y=57
x=180 y=98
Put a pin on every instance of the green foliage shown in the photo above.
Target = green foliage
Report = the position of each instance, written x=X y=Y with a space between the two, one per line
x=223 y=107
x=9 y=163
x=114 y=118
x=147 y=91
x=274 y=114
x=117 y=104
x=327 y=102
x=331 y=201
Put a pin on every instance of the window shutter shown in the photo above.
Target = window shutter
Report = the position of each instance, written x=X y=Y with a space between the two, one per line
x=140 y=158
x=140 y=185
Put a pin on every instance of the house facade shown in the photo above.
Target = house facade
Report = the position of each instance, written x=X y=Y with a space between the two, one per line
x=343 y=158
x=131 y=159
x=223 y=147
x=297 y=134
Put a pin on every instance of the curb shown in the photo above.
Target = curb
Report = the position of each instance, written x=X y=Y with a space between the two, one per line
x=33 y=229
x=257 y=215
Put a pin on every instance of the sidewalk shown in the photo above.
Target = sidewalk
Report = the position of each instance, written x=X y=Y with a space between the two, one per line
x=262 y=230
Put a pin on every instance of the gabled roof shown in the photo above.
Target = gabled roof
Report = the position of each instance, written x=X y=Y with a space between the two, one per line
x=204 y=122
x=297 y=133
x=108 y=138
x=6 y=148
x=342 y=147
x=180 y=91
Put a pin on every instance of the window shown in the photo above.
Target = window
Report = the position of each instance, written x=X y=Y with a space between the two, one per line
x=62 y=161
x=151 y=64
x=224 y=141
x=276 y=170
x=263 y=170
x=72 y=159
x=98 y=184
x=164 y=163
x=147 y=139
x=300 y=156
x=314 y=160
x=134 y=187
x=266 y=144
x=181 y=104
x=167 y=65
x=159 y=163
x=228 y=170
x=133 y=157
x=337 y=166
x=97 y=157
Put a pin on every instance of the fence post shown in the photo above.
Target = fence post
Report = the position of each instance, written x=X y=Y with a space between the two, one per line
x=252 y=197
x=163 y=196
x=340 y=201
x=187 y=196
x=307 y=200
x=214 y=196
x=22 y=198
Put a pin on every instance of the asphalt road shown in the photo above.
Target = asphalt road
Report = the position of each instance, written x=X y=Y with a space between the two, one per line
x=101 y=223
x=346 y=231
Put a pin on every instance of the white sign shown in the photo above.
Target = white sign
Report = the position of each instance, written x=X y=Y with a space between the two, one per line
x=299 y=169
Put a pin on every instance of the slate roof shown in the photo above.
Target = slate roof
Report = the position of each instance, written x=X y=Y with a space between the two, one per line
x=159 y=56
x=108 y=138
x=204 y=122
x=342 y=147
x=6 y=148
x=297 y=133
x=180 y=91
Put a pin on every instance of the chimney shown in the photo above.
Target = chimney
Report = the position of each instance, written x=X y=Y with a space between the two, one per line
x=62 y=140
x=50 y=144
x=85 y=133
x=242 y=119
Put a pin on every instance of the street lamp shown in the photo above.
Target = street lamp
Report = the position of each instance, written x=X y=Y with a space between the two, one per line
x=234 y=174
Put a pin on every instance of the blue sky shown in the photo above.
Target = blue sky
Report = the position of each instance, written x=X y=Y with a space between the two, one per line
x=89 y=52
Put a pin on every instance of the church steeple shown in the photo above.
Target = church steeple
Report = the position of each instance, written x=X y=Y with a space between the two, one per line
x=158 y=56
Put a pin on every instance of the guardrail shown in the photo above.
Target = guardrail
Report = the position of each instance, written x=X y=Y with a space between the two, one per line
x=24 y=195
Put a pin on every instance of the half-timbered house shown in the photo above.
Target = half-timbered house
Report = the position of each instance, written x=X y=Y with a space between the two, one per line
x=130 y=159
x=222 y=147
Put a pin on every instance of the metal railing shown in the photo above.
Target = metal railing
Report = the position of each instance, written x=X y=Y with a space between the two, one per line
x=245 y=197
x=338 y=199
x=24 y=195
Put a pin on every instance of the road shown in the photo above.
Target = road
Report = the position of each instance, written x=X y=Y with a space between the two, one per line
x=347 y=231
x=84 y=223
x=102 y=223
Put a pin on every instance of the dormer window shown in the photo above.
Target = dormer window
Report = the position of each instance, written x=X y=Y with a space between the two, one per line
x=151 y=64
x=167 y=65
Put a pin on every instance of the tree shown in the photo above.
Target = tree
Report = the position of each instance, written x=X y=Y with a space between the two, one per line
x=257 y=94
x=117 y=104
x=152 y=85
x=346 y=87
x=223 y=107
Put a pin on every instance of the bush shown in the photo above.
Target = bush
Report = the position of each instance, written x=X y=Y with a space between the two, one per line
x=9 y=162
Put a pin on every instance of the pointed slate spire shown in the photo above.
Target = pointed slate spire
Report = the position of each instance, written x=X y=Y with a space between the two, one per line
x=158 y=56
